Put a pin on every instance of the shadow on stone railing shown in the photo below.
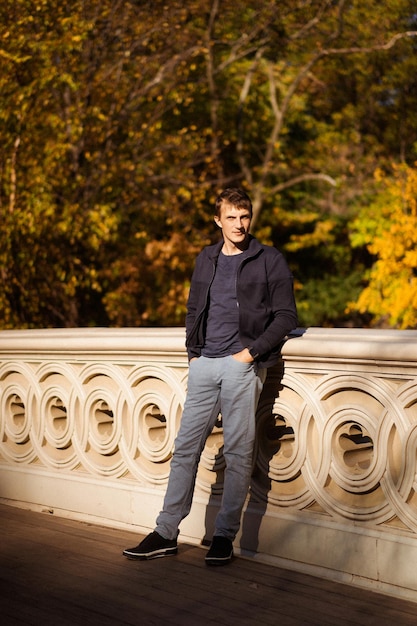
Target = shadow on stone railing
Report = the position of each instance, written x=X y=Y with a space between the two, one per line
x=88 y=419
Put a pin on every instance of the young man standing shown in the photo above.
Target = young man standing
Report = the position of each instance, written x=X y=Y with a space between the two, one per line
x=240 y=308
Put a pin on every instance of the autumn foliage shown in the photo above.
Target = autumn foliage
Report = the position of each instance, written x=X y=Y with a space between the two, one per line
x=388 y=227
x=121 y=120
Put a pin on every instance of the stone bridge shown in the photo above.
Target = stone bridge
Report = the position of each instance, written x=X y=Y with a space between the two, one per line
x=88 y=419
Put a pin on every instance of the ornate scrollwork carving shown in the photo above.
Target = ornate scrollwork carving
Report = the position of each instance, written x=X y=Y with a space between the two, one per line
x=329 y=442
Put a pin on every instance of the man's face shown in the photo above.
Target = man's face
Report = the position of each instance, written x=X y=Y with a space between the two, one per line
x=234 y=222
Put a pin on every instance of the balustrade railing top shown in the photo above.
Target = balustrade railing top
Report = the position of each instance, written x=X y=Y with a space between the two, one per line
x=355 y=343
x=87 y=341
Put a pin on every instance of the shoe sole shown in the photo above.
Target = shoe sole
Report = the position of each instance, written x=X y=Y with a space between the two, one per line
x=219 y=561
x=151 y=555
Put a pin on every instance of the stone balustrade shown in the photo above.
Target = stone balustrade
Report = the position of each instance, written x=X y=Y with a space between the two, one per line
x=88 y=419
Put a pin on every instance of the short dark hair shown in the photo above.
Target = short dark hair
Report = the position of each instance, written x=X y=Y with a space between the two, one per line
x=235 y=196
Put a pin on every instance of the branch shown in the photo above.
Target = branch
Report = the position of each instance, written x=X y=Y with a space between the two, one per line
x=243 y=95
x=14 y=57
x=313 y=22
x=300 y=179
x=214 y=98
x=383 y=46
x=13 y=176
x=281 y=111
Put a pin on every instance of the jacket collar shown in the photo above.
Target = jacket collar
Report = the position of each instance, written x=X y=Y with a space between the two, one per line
x=254 y=248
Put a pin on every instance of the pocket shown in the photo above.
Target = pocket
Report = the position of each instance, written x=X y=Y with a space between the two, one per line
x=243 y=365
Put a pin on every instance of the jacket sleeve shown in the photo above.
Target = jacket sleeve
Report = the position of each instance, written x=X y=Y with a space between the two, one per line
x=196 y=307
x=283 y=308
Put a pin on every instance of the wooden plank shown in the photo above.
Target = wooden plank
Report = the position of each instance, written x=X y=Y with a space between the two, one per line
x=60 y=571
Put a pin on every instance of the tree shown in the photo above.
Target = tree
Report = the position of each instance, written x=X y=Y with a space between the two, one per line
x=388 y=227
x=84 y=92
x=122 y=119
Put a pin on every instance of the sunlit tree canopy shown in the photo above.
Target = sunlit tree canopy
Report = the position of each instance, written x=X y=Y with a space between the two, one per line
x=388 y=227
x=121 y=120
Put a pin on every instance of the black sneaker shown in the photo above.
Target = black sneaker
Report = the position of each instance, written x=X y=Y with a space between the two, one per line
x=221 y=551
x=152 y=547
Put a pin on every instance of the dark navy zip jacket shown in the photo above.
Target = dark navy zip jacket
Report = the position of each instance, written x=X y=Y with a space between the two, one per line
x=265 y=296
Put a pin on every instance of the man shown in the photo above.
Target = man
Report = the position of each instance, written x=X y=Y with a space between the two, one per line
x=240 y=308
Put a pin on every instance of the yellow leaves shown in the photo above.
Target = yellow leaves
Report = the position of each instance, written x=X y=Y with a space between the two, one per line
x=321 y=235
x=97 y=111
x=167 y=253
x=391 y=292
x=410 y=259
x=13 y=57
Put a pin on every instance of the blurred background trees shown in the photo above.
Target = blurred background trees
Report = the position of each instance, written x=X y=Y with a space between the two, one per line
x=121 y=120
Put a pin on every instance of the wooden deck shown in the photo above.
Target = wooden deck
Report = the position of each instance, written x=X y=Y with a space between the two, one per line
x=63 y=572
